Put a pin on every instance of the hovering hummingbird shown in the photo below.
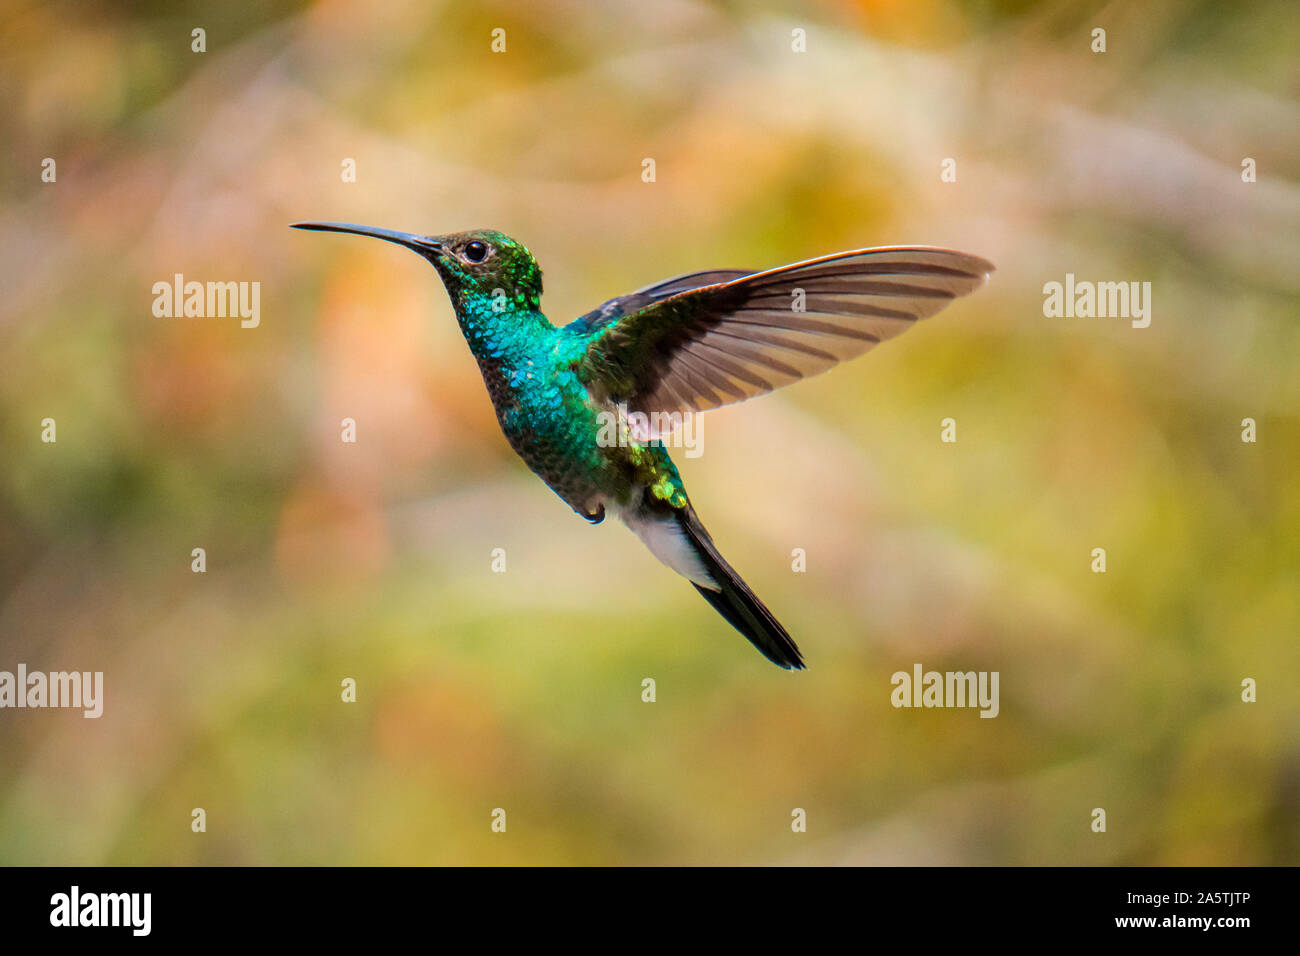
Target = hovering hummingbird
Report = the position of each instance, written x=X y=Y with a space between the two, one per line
x=683 y=345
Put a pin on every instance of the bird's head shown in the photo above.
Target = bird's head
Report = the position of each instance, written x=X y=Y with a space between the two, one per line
x=479 y=266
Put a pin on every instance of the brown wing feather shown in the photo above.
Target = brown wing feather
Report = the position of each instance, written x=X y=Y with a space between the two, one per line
x=721 y=343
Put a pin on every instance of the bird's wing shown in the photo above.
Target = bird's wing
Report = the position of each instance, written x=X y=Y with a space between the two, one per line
x=625 y=305
x=713 y=338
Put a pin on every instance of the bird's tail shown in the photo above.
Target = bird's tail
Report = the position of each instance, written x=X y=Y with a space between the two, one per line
x=676 y=537
x=722 y=587
x=733 y=599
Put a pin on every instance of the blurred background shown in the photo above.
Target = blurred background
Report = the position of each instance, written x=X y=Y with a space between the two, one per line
x=522 y=690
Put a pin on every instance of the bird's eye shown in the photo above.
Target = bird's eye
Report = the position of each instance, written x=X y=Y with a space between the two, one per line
x=476 y=251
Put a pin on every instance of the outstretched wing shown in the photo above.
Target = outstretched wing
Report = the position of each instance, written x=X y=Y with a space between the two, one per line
x=713 y=338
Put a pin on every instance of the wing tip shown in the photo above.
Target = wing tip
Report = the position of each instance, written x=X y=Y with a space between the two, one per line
x=974 y=265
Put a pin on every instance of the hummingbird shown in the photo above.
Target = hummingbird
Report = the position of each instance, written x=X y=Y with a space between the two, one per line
x=680 y=346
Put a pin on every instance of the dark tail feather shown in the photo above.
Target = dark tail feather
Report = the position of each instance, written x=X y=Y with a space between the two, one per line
x=736 y=602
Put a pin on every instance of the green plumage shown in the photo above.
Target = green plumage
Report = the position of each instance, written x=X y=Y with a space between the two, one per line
x=534 y=373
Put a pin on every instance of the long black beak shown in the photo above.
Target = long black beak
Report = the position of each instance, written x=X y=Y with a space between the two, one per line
x=422 y=244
